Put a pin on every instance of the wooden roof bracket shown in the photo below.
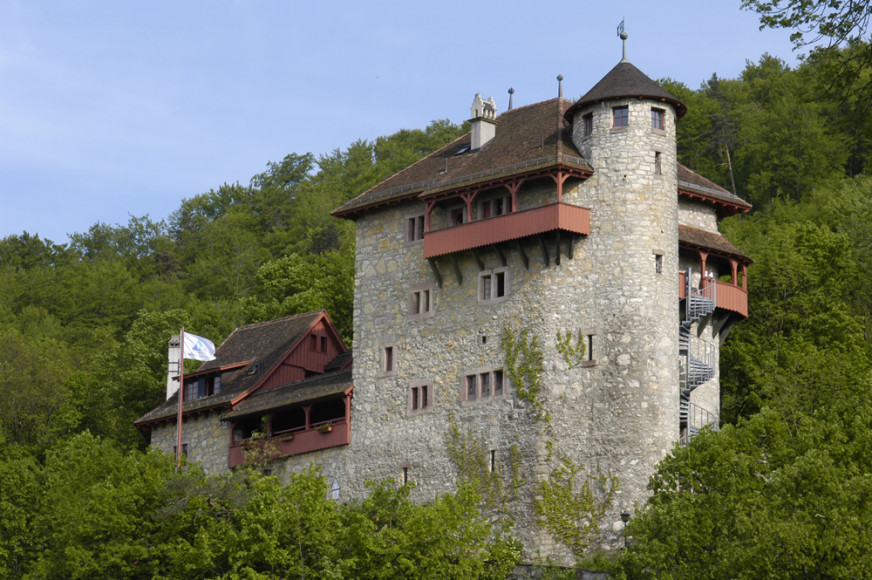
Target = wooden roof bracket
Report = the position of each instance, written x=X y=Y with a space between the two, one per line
x=435 y=268
x=557 y=245
x=478 y=259
x=544 y=250
x=524 y=255
x=502 y=256
x=456 y=270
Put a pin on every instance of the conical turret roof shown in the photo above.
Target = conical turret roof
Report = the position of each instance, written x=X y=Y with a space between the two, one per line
x=622 y=82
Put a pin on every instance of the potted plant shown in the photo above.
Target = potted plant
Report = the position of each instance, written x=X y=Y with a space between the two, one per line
x=325 y=428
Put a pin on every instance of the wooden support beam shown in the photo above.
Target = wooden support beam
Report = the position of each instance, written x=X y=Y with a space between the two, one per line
x=524 y=256
x=436 y=273
x=557 y=254
x=500 y=253
x=478 y=259
x=544 y=250
x=456 y=270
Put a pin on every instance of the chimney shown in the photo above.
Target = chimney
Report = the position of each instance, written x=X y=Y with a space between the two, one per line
x=173 y=369
x=484 y=123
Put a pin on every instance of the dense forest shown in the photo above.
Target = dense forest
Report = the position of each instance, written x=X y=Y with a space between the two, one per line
x=781 y=491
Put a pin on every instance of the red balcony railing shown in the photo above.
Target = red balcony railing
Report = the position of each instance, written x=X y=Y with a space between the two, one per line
x=728 y=296
x=504 y=228
x=295 y=443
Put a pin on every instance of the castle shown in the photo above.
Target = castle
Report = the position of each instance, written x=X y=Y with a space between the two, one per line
x=551 y=288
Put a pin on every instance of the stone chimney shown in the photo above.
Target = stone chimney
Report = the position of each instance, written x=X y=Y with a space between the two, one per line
x=484 y=121
x=173 y=367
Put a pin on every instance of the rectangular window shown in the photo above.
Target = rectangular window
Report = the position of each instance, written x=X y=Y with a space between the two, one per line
x=498 y=382
x=313 y=342
x=191 y=391
x=421 y=301
x=589 y=360
x=493 y=286
x=388 y=360
x=184 y=449
x=621 y=116
x=415 y=228
x=419 y=396
x=588 y=124
x=657 y=119
x=483 y=384
x=323 y=344
x=456 y=216
x=658 y=164
x=658 y=263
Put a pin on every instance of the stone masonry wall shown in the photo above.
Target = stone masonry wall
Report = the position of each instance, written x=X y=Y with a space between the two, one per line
x=206 y=436
x=697 y=215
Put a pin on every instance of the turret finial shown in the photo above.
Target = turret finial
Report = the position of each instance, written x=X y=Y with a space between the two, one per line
x=560 y=86
x=623 y=36
x=511 y=92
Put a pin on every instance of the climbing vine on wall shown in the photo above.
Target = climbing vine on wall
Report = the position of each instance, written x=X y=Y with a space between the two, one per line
x=573 y=354
x=571 y=503
x=524 y=359
x=470 y=456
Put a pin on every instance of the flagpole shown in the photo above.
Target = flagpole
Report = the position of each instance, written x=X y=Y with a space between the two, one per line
x=181 y=393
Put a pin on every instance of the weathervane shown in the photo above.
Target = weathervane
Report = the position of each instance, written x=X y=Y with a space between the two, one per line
x=623 y=36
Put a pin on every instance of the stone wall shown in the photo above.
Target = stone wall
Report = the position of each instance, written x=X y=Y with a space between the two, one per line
x=206 y=436
x=697 y=215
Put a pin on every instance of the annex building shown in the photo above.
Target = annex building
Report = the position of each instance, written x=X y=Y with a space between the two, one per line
x=551 y=285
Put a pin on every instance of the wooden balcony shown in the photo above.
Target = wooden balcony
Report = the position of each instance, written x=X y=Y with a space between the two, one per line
x=728 y=296
x=296 y=442
x=504 y=228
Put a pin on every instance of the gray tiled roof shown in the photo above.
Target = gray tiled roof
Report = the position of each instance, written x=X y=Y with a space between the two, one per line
x=291 y=394
x=626 y=81
x=526 y=138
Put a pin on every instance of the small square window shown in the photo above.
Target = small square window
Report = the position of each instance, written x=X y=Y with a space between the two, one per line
x=493 y=286
x=657 y=119
x=621 y=116
x=184 y=450
x=457 y=216
x=421 y=301
x=588 y=124
x=414 y=228
x=420 y=397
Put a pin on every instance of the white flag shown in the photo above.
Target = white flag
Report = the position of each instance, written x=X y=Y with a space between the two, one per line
x=198 y=348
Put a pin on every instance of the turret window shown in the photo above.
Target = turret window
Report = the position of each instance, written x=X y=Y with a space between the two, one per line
x=657 y=119
x=588 y=124
x=621 y=116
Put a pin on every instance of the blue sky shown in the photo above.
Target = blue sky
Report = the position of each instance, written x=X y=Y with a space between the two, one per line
x=117 y=108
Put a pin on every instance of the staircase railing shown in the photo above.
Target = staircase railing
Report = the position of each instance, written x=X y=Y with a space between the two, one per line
x=699 y=358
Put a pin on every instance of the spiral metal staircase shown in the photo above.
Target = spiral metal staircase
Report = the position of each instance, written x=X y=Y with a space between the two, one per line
x=698 y=359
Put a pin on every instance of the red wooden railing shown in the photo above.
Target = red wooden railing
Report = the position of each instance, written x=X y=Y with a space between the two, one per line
x=512 y=226
x=297 y=442
x=728 y=296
